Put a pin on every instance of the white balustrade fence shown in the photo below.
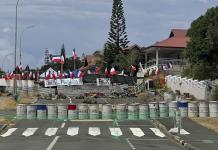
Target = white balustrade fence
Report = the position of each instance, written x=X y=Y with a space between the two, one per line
x=194 y=87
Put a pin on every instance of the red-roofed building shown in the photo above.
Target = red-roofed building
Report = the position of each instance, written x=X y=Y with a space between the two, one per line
x=168 y=50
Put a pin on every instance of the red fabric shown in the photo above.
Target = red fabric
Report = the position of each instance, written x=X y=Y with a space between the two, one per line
x=71 y=107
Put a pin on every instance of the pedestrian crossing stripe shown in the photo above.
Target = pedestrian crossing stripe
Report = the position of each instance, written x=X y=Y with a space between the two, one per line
x=29 y=132
x=116 y=131
x=72 y=131
x=51 y=131
x=137 y=132
x=9 y=132
x=93 y=131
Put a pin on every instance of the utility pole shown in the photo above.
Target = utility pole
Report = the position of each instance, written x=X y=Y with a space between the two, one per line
x=15 y=53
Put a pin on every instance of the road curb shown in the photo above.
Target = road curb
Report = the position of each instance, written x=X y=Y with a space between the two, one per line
x=172 y=137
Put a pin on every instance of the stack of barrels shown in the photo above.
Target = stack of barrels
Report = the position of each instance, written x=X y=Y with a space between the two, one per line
x=134 y=111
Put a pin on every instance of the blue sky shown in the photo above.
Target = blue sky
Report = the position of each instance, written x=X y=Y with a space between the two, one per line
x=84 y=24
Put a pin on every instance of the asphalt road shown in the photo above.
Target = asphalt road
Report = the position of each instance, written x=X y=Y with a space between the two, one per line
x=83 y=135
x=200 y=137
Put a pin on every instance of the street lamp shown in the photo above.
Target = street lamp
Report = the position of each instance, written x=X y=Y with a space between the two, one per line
x=27 y=28
x=15 y=53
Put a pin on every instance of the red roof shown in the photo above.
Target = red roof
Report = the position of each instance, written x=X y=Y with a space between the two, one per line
x=176 y=39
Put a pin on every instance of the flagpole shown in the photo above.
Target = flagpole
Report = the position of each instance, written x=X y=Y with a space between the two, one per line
x=74 y=63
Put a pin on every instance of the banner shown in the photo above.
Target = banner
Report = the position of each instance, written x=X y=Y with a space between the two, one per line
x=103 y=81
x=59 y=82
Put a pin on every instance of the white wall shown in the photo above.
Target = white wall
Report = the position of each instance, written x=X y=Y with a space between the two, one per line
x=194 y=87
x=20 y=83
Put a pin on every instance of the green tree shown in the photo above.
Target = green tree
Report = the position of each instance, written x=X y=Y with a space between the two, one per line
x=126 y=60
x=202 y=50
x=117 y=39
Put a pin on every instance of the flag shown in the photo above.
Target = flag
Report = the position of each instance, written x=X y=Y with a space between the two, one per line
x=56 y=59
x=62 y=59
x=11 y=75
x=157 y=71
x=48 y=76
x=97 y=70
x=133 y=68
x=106 y=72
x=30 y=75
x=53 y=76
x=5 y=77
x=72 y=75
x=80 y=74
x=20 y=67
x=169 y=66
x=23 y=76
x=74 y=54
x=113 y=71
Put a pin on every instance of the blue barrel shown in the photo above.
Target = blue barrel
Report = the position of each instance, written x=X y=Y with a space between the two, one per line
x=41 y=111
x=183 y=106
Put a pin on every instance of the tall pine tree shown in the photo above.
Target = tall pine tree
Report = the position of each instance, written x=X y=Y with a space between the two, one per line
x=117 y=36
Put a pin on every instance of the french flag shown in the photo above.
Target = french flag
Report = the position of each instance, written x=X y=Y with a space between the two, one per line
x=74 y=54
x=11 y=75
x=133 y=68
x=113 y=71
x=80 y=74
x=53 y=76
x=20 y=67
x=106 y=72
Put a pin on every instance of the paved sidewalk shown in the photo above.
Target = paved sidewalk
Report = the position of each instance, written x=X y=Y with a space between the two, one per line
x=200 y=137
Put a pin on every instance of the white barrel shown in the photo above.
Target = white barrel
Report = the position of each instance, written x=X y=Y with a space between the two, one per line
x=62 y=111
x=213 y=108
x=31 y=112
x=172 y=108
x=192 y=109
x=168 y=97
x=107 y=111
x=163 y=109
x=203 y=109
x=52 y=111
x=93 y=111
x=183 y=106
x=153 y=109
x=83 y=111
x=133 y=111
x=72 y=112
x=21 y=111
x=143 y=111
x=121 y=111
x=41 y=111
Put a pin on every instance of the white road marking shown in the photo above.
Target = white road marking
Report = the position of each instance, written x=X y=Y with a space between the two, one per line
x=182 y=131
x=157 y=132
x=51 y=131
x=73 y=131
x=51 y=145
x=63 y=124
x=9 y=132
x=130 y=144
x=29 y=132
x=137 y=132
x=116 y=131
x=94 y=131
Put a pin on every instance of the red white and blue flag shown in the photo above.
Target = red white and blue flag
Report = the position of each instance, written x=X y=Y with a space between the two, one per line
x=74 y=54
